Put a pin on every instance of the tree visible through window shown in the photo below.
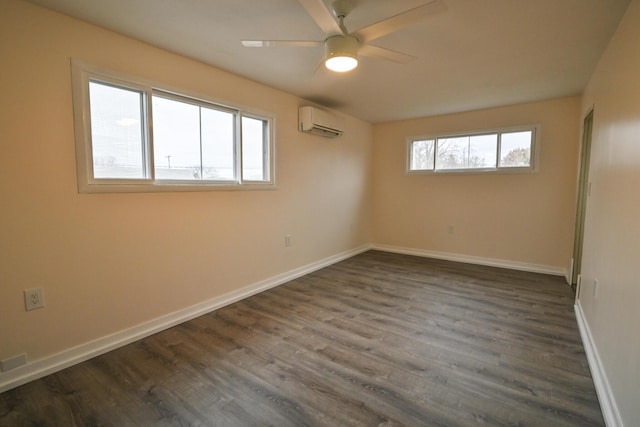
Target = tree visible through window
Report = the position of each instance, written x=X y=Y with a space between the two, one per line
x=483 y=151
x=516 y=149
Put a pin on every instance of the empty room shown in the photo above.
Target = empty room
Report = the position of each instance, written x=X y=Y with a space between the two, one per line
x=317 y=212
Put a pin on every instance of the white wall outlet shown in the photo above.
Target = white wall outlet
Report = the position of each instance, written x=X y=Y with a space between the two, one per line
x=33 y=298
x=595 y=287
x=288 y=240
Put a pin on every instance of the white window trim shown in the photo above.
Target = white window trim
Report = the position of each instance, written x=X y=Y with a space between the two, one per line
x=82 y=73
x=535 y=152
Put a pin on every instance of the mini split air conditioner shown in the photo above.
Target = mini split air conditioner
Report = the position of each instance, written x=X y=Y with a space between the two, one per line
x=319 y=122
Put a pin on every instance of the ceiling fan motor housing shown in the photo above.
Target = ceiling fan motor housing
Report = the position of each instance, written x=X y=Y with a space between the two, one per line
x=341 y=53
x=341 y=45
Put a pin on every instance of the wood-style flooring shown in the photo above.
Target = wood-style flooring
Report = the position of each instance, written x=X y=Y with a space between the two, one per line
x=377 y=340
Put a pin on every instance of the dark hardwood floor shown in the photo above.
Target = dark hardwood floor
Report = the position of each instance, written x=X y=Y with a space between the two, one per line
x=377 y=340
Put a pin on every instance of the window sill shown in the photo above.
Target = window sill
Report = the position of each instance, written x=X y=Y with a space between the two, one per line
x=492 y=171
x=172 y=187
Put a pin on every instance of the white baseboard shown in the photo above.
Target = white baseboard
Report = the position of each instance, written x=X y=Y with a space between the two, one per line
x=603 y=389
x=514 y=265
x=50 y=364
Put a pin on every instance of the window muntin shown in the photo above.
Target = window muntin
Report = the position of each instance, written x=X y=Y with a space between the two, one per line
x=136 y=136
x=501 y=150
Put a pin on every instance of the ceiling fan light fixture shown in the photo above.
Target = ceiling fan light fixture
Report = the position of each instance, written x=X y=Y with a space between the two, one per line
x=341 y=53
x=341 y=64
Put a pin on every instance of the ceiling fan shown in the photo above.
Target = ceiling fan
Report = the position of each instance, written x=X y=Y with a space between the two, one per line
x=342 y=47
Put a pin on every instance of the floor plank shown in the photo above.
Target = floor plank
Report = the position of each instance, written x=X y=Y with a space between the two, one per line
x=377 y=340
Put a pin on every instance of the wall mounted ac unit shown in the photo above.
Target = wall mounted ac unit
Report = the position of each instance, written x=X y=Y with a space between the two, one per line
x=319 y=122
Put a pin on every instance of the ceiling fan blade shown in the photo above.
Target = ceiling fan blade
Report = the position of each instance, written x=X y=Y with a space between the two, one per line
x=382 y=53
x=323 y=17
x=281 y=43
x=399 y=21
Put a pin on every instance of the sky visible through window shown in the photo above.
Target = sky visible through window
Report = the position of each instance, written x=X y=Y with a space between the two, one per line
x=116 y=132
x=467 y=152
x=190 y=142
x=473 y=151
x=515 y=149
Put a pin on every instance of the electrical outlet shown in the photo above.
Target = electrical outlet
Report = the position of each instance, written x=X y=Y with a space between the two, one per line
x=33 y=298
x=451 y=229
x=595 y=287
x=288 y=241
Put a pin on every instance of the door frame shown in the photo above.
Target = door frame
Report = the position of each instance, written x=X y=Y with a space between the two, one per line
x=584 y=188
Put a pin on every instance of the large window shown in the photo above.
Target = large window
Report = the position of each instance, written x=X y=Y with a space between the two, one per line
x=510 y=150
x=133 y=136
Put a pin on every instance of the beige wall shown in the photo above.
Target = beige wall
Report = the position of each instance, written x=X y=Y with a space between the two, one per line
x=111 y=261
x=612 y=227
x=523 y=218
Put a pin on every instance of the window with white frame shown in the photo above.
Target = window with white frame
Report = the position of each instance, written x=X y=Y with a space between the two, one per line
x=138 y=136
x=504 y=150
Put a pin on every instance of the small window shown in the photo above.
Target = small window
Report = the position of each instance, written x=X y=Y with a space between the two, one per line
x=117 y=132
x=466 y=152
x=192 y=142
x=491 y=151
x=516 y=149
x=133 y=136
x=255 y=149
x=422 y=154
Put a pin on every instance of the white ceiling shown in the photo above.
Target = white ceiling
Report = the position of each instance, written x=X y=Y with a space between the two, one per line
x=473 y=54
